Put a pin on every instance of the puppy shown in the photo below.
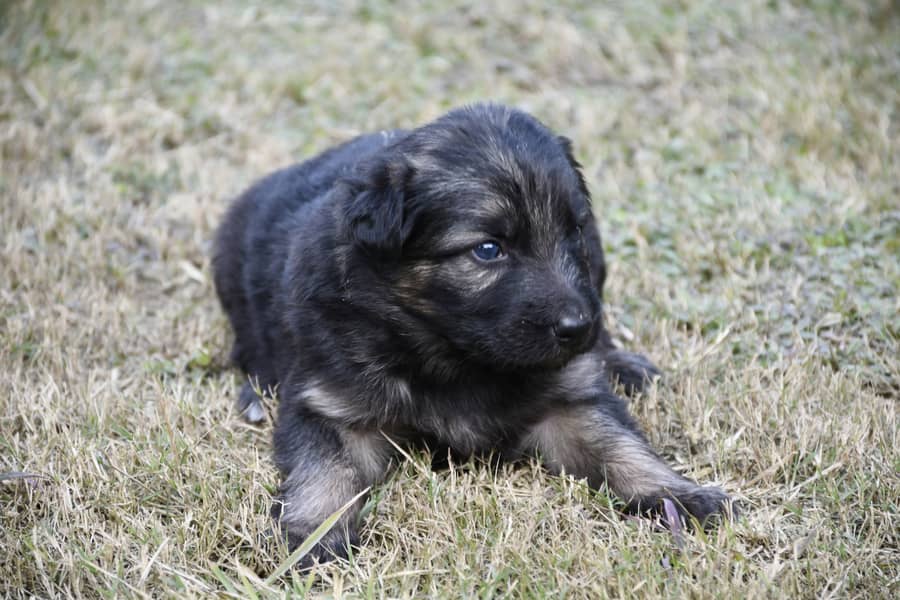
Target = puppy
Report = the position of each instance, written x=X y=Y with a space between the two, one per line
x=438 y=287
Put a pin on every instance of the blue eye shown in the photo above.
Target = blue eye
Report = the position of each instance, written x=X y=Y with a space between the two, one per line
x=488 y=251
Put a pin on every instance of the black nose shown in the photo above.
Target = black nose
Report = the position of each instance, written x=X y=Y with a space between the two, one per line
x=572 y=329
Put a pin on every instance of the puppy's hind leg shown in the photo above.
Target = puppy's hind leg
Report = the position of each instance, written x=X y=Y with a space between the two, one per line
x=600 y=441
x=249 y=404
x=228 y=262
x=259 y=381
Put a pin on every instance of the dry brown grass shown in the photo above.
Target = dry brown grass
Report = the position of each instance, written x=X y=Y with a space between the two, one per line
x=744 y=161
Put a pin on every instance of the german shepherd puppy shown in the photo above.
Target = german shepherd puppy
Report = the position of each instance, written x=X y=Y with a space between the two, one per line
x=440 y=286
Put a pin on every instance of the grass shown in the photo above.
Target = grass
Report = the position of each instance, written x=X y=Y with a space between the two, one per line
x=744 y=162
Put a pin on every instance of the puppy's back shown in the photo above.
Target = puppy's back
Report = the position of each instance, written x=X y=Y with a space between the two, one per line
x=272 y=198
x=251 y=244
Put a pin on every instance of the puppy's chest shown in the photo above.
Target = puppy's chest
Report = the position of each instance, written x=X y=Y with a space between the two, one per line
x=474 y=419
x=469 y=416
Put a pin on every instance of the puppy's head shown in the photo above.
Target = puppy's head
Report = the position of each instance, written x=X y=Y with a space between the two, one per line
x=478 y=233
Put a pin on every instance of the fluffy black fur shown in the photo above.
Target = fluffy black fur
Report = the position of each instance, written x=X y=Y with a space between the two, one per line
x=362 y=285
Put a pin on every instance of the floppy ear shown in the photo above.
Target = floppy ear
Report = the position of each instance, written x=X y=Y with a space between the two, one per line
x=566 y=144
x=375 y=215
x=591 y=234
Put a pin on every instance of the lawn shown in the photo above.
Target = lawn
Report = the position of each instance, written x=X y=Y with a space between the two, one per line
x=744 y=161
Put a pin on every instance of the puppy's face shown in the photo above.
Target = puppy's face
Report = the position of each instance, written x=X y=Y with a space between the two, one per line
x=486 y=246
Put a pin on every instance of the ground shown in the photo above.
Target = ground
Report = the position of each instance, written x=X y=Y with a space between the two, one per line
x=743 y=160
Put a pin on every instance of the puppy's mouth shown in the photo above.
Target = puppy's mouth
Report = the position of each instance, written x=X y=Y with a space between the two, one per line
x=562 y=342
x=572 y=348
x=574 y=333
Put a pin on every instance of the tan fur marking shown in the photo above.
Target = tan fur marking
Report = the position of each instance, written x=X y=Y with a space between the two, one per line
x=582 y=442
x=581 y=378
x=325 y=403
x=312 y=494
x=370 y=453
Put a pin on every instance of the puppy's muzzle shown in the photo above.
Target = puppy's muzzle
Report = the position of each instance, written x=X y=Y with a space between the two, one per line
x=573 y=328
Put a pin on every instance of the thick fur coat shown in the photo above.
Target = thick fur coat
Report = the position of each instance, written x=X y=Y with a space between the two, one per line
x=439 y=287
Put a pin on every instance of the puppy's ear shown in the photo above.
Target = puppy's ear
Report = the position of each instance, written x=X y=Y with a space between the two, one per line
x=375 y=215
x=566 y=144
x=592 y=234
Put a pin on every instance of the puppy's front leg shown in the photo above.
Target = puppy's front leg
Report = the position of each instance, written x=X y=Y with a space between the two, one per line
x=601 y=442
x=634 y=372
x=324 y=466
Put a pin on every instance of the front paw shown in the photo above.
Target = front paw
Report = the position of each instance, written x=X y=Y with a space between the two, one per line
x=632 y=371
x=708 y=505
x=334 y=544
x=705 y=505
